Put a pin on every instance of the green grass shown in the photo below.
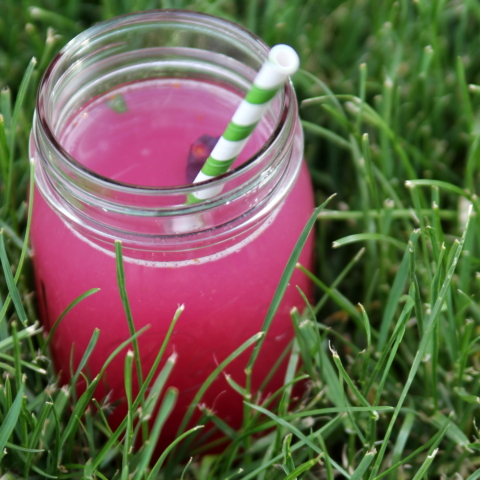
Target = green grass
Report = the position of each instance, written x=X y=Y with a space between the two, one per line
x=390 y=103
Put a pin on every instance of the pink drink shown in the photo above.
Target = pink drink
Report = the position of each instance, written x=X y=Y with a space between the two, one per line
x=226 y=296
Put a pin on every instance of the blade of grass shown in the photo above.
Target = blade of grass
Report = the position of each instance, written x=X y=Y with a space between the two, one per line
x=12 y=288
x=467 y=106
x=35 y=435
x=330 y=410
x=298 y=445
x=449 y=187
x=343 y=274
x=398 y=336
x=330 y=379
x=21 y=449
x=26 y=238
x=198 y=396
x=17 y=241
x=425 y=465
x=432 y=444
x=363 y=465
x=290 y=373
x=86 y=355
x=163 y=456
x=282 y=286
x=395 y=293
x=370 y=116
x=54 y=19
x=156 y=390
x=59 y=405
x=166 y=408
x=298 y=433
x=364 y=237
x=363 y=70
x=64 y=313
x=159 y=357
x=126 y=306
x=187 y=465
x=304 y=467
x=85 y=398
x=326 y=134
x=366 y=359
x=346 y=378
x=127 y=442
x=270 y=399
x=6 y=109
x=351 y=425
x=300 y=348
x=475 y=475
x=40 y=472
x=320 y=326
x=328 y=463
x=114 y=437
x=16 y=356
x=235 y=386
x=330 y=95
x=221 y=425
x=11 y=419
x=452 y=432
x=22 y=91
x=367 y=155
x=340 y=300
x=288 y=463
x=423 y=344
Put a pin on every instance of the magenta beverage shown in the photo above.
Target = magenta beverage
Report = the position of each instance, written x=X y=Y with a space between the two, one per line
x=121 y=127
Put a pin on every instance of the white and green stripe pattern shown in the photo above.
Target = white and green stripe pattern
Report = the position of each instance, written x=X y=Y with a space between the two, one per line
x=282 y=62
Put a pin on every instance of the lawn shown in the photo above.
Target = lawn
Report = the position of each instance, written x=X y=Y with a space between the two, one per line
x=389 y=95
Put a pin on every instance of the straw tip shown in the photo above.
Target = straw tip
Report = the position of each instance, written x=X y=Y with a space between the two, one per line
x=285 y=59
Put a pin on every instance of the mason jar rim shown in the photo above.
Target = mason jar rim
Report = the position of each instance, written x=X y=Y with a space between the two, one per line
x=101 y=27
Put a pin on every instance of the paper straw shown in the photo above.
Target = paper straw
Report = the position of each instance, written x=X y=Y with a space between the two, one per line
x=282 y=62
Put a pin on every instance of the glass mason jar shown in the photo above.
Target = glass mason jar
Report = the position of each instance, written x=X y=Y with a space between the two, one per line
x=119 y=114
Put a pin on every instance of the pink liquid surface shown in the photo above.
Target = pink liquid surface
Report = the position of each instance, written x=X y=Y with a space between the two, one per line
x=226 y=299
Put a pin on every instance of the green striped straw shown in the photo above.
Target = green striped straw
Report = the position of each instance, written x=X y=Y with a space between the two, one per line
x=282 y=62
